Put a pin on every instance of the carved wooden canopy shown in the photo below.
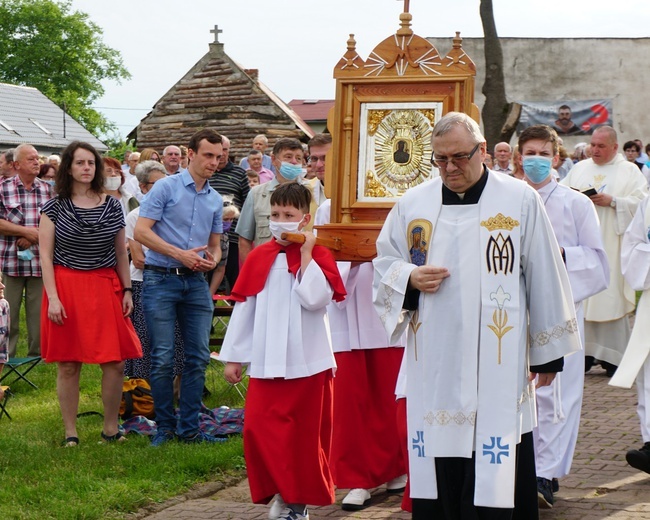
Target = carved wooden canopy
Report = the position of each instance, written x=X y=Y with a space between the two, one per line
x=381 y=126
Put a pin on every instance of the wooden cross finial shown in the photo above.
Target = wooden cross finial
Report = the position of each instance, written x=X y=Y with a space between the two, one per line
x=406 y=5
x=216 y=31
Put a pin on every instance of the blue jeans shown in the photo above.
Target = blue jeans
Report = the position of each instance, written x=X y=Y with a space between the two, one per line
x=166 y=298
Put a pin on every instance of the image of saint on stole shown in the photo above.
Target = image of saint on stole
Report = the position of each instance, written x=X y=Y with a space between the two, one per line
x=418 y=250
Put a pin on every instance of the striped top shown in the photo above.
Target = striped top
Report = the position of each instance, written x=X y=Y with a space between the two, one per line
x=84 y=238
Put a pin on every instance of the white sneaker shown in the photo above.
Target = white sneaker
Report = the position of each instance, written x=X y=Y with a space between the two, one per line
x=397 y=485
x=289 y=514
x=277 y=506
x=356 y=499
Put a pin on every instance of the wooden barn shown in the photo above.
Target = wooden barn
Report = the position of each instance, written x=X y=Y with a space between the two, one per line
x=218 y=93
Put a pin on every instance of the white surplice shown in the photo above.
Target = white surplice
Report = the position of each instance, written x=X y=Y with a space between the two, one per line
x=606 y=322
x=283 y=331
x=442 y=357
x=577 y=230
x=635 y=260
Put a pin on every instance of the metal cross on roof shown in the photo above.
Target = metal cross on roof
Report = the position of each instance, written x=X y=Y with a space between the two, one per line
x=216 y=31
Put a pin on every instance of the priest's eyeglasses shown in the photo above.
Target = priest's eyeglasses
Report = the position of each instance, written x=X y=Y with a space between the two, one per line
x=459 y=160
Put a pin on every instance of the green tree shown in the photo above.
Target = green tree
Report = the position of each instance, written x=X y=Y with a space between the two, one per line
x=45 y=45
x=117 y=146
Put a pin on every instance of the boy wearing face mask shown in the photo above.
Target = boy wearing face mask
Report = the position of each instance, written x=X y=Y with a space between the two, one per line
x=575 y=223
x=253 y=225
x=284 y=290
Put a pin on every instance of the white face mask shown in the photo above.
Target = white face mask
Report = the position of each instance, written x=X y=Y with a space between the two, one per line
x=277 y=228
x=112 y=183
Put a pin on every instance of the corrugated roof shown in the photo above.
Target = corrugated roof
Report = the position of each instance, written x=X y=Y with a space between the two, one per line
x=312 y=109
x=33 y=118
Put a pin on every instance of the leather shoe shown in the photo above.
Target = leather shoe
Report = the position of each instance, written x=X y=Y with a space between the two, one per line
x=639 y=459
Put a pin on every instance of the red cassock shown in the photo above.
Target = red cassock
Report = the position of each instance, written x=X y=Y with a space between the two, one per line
x=287 y=439
x=366 y=446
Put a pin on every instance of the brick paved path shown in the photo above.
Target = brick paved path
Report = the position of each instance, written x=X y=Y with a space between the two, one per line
x=601 y=484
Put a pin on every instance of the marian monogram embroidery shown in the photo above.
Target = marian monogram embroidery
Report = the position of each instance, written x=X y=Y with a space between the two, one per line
x=500 y=251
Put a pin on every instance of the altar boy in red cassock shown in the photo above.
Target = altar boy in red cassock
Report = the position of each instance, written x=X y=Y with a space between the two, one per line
x=279 y=330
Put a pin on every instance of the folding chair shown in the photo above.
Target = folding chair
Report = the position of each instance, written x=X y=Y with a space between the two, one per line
x=20 y=367
x=3 y=402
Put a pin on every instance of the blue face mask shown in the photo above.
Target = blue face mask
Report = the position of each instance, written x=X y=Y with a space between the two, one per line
x=537 y=168
x=227 y=226
x=290 y=171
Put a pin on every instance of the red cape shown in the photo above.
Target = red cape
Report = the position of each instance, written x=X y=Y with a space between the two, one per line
x=255 y=271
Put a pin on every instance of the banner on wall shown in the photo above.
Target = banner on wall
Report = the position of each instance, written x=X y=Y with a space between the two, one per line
x=580 y=117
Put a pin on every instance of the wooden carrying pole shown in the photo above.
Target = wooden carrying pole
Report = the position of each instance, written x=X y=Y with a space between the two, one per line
x=299 y=238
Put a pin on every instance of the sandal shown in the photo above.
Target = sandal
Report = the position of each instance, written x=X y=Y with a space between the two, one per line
x=118 y=437
x=70 y=442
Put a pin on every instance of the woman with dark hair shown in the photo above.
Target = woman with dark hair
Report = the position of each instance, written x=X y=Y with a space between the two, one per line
x=114 y=185
x=87 y=297
x=47 y=172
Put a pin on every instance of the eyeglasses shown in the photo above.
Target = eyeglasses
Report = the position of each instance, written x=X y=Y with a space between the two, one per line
x=460 y=160
x=314 y=159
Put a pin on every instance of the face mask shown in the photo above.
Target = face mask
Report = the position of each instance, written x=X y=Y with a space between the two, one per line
x=112 y=183
x=537 y=168
x=50 y=182
x=277 y=228
x=227 y=226
x=290 y=171
x=25 y=255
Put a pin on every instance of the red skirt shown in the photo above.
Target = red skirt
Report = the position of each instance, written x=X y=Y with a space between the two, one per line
x=287 y=436
x=95 y=330
x=366 y=446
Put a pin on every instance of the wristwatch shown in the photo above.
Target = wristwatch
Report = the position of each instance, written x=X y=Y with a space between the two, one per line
x=613 y=203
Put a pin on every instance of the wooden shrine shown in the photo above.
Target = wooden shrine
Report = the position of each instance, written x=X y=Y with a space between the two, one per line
x=381 y=123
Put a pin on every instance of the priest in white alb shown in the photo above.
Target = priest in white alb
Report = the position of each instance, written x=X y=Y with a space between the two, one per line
x=635 y=261
x=577 y=231
x=470 y=265
x=616 y=187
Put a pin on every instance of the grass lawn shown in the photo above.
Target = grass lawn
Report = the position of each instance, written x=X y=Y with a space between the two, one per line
x=41 y=480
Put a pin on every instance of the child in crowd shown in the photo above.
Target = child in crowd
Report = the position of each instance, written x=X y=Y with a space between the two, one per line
x=253 y=178
x=284 y=289
x=230 y=213
x=4 y=331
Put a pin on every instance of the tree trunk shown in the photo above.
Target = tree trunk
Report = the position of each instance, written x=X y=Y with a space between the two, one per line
x=496 y=110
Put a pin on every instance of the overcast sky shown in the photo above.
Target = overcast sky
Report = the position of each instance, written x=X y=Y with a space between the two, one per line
x=296 y=43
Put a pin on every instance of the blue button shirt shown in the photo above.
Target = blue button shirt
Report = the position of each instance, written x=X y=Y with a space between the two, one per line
x=184 y=217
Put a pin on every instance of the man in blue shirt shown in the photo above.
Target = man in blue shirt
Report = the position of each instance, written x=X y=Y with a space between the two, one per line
x=180 y=222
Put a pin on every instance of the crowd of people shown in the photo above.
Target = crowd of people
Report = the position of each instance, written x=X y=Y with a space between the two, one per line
x=457 y=357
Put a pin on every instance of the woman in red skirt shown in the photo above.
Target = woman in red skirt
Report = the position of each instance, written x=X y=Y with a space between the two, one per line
x=87 y=297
